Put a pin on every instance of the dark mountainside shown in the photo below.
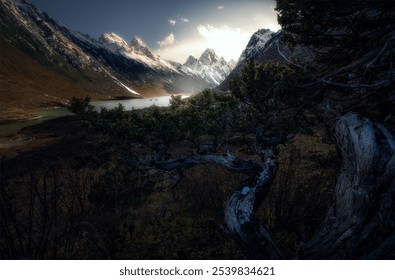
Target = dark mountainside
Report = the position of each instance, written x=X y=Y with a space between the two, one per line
x=294 y=159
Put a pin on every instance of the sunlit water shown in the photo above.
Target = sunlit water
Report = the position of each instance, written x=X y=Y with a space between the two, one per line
x=129 y=104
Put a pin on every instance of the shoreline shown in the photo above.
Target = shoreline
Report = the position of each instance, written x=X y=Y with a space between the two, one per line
x=13 y=121
x=31 y=114
x=19 y=119
x=36 y=136
x=14 y=115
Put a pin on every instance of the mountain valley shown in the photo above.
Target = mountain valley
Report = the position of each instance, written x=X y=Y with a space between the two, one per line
x=107 y=68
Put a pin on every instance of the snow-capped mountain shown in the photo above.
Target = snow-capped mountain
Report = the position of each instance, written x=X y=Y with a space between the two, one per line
x=136 y=50
x=209 y=67
x=256 y=44
x=262 y=47
x=109 y=66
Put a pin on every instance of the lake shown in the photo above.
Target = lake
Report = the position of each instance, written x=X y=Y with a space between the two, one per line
x=129 y=104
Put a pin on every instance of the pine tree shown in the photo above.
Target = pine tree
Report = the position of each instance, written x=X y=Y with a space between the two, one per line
x=338 y=31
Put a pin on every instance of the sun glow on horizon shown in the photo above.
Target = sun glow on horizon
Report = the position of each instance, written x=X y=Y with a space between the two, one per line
x=227 y=37
x=226 y=42
x=226 y=28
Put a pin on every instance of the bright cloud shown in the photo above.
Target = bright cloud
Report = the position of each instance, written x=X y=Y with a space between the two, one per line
x=272 y=26
x=168 y=41
x=172 y=22
x=179 y=52
x=267 y=23
x=184 y=20
x=221 y=7
x=226 y=41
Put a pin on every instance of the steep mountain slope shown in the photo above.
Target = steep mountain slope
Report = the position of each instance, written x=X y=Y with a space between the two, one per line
x=108 y=67
x=27 y=85
x=256 y=44
x=262 y=47
x=209 y=67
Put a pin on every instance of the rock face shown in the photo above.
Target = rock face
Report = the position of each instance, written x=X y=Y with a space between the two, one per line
x=256 y=44
x=209 y=67
x=262 y=47
x=137 y=50
x=110 y=59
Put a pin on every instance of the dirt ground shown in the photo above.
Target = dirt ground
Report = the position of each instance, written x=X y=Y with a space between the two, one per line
x=59 y=139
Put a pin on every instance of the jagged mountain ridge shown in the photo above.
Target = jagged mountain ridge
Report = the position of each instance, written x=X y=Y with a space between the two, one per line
x=135 y=50
x=209 y=67
x=127 y=68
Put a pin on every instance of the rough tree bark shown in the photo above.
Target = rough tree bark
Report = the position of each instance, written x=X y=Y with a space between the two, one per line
x=360 y=224
x=239 y=213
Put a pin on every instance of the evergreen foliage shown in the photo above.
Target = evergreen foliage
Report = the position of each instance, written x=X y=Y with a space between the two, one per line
x=272 y=93
x=339 y=31
x=80 y=106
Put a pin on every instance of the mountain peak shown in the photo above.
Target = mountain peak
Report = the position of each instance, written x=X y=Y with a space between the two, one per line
x=210 y=51
x=140 y=47
x=190 y=61
x=209 y=67
x=110 y=36
x=232 y=63
x=263 y=31
x=138 y=42
x=112 y=39
x=208 y=57
x=257 y=42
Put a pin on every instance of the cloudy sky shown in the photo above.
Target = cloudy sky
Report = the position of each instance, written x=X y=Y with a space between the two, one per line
x=172 y=28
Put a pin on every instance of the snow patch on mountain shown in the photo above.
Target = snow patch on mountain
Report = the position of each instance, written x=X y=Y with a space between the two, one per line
x=122 y=84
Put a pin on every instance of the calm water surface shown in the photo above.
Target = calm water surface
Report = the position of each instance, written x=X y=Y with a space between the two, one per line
x=129 y=104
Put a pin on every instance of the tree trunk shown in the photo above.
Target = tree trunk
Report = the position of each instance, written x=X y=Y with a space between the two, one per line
x=239 y=214
x=360 y=224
